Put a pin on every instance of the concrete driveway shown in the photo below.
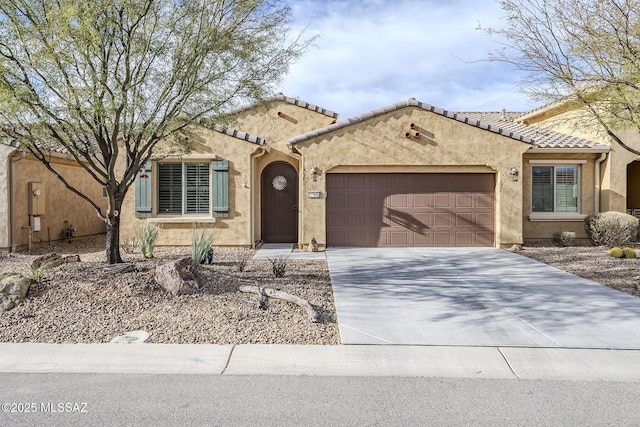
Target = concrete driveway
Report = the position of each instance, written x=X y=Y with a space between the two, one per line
x=474 y=297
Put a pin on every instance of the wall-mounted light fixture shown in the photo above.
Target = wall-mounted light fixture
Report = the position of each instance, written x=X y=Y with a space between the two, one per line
x=513 y=173
x=314 y=174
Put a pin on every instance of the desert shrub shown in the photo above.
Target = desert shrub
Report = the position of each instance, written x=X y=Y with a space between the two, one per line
x=629 y=252
x=38 y=272
x=202 y=247
x=243 y=258
x=616 y=252
x=612 y=228
x=130 y=244
x=279 y=265
x=564 y=238
x=147 y=236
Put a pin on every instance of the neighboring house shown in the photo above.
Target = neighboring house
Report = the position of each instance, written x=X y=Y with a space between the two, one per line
x=620 y=173
x=38 y=207
x=408 y=174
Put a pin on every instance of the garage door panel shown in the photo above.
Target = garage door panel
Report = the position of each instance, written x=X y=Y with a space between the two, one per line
x=441 y=238
x=442 y=200
x=464 y=238
x=442 y=219
x=484 y=200
x=464 y=219
x=464 y=200
x=410 y=209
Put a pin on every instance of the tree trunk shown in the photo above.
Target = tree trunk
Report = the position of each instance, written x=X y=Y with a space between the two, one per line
x=113 y=240
x=113 y=231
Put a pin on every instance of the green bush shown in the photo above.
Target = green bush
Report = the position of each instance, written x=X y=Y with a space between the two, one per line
x=612 y=228
x=147 y=236
x=279 y=265
x=616 y=252
x=38 y=272
x=202 y=247
x=629 y=252
x=564 y=238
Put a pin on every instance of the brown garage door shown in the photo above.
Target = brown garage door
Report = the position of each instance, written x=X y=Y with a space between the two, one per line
x=410 y=209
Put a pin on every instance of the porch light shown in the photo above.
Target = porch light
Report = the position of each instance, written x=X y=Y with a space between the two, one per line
x=314 y=174
x=513 y=173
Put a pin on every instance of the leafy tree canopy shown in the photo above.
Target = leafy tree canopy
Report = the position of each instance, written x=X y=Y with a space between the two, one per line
x=109 y=79
x=582 y=51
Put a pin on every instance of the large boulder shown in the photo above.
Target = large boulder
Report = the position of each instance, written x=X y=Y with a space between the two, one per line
x=13 y=289
x=179 y=277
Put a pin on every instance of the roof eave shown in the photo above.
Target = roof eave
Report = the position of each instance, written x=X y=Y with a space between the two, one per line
x=547 y=150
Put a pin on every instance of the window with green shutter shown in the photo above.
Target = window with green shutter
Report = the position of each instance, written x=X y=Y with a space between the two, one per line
x=184 y=188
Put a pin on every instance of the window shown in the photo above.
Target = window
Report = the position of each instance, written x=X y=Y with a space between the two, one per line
x=184 y=188
x=554 y=189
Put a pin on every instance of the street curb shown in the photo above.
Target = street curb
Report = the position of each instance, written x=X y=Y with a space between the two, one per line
x=318 y=360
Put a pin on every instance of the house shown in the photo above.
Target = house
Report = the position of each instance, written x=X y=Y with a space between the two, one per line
x=620 y=172
x=38 y=207
x=408 y=174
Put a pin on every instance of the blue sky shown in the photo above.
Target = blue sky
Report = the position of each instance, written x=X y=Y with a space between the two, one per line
x=371 y=53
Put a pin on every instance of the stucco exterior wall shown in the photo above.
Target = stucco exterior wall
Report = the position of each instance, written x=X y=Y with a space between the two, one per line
x=543 y=229
x=178 y=230
x=614 y=169
x=60 y=204
x=379 y=145
x=246 y=163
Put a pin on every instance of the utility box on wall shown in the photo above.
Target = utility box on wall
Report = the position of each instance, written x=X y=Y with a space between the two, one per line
x=36 y=198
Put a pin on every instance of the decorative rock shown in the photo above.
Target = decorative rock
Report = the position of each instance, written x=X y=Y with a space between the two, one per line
x=13 y=289
x=179 y=277
x=133 y=337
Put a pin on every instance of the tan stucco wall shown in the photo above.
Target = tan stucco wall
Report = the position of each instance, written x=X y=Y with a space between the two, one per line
x=539 y=230
x=379 y=145
x=60 y=204
x=234 y=230
x=246 y=163
x=614 y=168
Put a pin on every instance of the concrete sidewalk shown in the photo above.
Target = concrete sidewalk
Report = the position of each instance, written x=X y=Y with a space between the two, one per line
x=340 y=360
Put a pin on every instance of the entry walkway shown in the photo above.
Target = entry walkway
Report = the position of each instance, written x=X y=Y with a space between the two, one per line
x=474 y=297
x=285 y=250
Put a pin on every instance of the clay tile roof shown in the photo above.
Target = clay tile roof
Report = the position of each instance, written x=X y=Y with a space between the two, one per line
x=412 y=102
x=542 y=138
x=294 y=101
x=240 y=135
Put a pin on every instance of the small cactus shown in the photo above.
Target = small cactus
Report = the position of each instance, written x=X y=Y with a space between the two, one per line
x=616 y=252
x=629 y=252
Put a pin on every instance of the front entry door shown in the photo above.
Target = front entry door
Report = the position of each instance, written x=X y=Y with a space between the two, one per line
x=279 y=201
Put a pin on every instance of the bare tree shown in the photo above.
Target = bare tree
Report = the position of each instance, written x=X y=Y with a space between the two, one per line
x=108 y=79
x=580 y=52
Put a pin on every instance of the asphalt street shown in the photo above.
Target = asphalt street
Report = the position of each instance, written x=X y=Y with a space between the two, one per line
x=170 y=400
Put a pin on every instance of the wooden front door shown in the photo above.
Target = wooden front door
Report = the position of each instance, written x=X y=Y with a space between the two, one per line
x=279 y=201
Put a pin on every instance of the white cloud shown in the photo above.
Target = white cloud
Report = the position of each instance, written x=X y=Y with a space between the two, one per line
x=375 y=52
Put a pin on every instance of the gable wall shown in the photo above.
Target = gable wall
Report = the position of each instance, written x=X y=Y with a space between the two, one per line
x=379 y=145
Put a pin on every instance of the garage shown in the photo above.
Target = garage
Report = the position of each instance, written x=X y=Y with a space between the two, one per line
x=410 y=209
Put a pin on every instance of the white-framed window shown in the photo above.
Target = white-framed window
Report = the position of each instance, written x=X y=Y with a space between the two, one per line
x=555 y=188
x=184 y=188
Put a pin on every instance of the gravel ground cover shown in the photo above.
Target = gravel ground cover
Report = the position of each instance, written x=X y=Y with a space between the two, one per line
x=81 y=303
x=590 y=262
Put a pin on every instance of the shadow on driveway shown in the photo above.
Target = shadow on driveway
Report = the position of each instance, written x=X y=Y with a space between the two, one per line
x=474 y=296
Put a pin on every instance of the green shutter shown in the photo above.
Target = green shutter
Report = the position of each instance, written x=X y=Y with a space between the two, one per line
x=143 y=192
x=220 y=190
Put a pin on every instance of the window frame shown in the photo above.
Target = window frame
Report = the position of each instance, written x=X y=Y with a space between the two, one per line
x=556 y=214
x=184 y=190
